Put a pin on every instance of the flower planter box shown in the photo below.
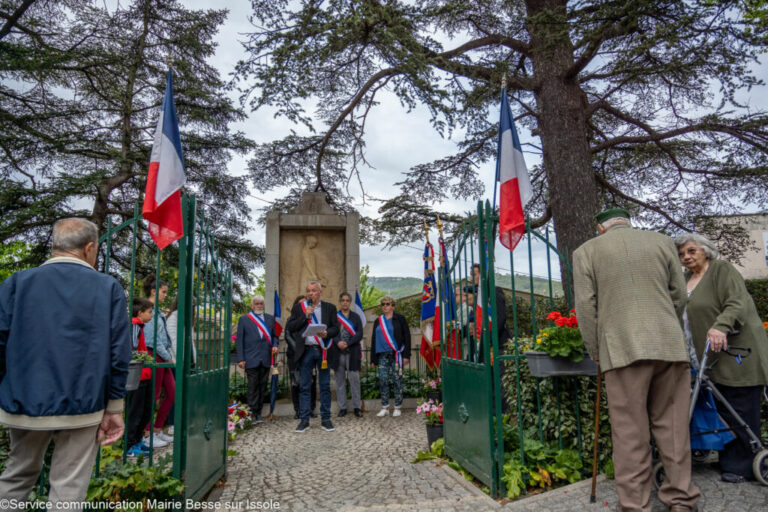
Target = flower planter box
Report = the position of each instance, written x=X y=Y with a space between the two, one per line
x=434 y=432
x=134 y=375
x=542 y=364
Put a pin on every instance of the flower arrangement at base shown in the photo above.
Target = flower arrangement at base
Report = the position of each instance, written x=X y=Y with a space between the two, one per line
x=433 y=412
x=430 y=386
x=563 y=339
x=238 y=418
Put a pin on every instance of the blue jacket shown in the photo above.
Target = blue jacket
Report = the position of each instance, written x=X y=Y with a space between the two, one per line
x=64 y=346
x=250 y=343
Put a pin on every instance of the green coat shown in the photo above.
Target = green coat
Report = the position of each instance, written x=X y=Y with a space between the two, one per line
x=630 y=295
x=721 y=300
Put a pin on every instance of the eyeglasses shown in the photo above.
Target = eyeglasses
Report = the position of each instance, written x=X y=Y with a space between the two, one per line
x=387 y=304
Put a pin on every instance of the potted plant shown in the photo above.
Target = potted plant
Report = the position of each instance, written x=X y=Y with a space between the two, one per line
x=559 y=349
x=433 y=415
x=432 y=389
x=138 y=361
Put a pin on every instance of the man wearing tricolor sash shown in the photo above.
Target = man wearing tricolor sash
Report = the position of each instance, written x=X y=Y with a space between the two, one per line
x=313 y=353
x=390 y=351
x=345 y=355
x=256 y=342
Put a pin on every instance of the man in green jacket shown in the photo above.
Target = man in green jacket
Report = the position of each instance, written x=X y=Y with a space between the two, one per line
x=630 y=295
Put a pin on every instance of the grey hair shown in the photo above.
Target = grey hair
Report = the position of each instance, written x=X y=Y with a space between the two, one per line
x=388 y=298
x=615 y=221
x=73 y=233
x=703 y=242
x=257 y=297
x=318 y=283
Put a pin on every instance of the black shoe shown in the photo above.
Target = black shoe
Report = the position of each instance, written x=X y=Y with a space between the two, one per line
x=342 y=413
x=358 y=413
x=732 y=478
x=258 y=419
x=313 y=414
x=295 y=415
x=327 y=426
x=303 y=427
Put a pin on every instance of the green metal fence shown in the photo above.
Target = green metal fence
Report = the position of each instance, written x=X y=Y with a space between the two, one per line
x=204 y=293
x=479 y=410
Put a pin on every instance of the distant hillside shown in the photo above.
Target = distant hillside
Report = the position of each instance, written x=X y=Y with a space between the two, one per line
x=404 y=286
x=397 y=286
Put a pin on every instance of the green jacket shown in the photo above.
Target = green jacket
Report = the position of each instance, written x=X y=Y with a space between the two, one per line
x=630 y=296
x=721 y=300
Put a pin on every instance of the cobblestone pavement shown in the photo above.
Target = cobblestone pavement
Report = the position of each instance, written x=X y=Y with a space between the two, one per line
x=364 y=466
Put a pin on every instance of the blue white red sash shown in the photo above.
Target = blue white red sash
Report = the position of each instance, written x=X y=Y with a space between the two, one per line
x=346 y=322
x=390 y=339
x=318 y=339
x=261 y=325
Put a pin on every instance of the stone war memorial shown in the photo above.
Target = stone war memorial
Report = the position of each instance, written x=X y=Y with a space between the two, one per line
x=311 y=243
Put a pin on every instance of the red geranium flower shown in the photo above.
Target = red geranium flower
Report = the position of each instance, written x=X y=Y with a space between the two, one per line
x=241 y=414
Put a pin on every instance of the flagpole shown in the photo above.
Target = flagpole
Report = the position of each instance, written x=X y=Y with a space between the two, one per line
x=496 y=174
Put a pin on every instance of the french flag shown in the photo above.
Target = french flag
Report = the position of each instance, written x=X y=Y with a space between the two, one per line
x=162 y=198
x=358 y=308
x=513 y=175
x=278 y=315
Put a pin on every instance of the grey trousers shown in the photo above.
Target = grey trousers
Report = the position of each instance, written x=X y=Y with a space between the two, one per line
x=71 y=466
x=341 y=374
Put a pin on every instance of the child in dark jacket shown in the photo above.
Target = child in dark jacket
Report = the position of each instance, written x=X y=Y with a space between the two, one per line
x=139 y=401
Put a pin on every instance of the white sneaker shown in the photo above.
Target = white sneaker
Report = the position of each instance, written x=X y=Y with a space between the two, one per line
x=157 y=441
x=382 y=413
x=165 y=437
x=396 y=412
x=169 y=431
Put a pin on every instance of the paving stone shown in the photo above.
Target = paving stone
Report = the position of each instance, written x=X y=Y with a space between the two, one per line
x=365 y=466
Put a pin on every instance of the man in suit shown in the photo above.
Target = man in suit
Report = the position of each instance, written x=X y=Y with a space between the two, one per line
x=630 y=296
x=256 y=343
x=313 y=353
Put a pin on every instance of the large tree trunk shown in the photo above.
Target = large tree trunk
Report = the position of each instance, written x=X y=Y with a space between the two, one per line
x=562 y=123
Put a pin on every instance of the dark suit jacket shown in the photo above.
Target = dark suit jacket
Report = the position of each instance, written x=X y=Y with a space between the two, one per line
x=250 y=343
x=297 y=322
x=402 y=336
x=354 y=345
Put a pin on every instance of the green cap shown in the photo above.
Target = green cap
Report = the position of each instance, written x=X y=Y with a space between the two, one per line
x=610 y=213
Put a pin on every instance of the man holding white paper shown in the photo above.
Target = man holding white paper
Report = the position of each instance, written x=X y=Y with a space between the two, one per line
x=315 y=322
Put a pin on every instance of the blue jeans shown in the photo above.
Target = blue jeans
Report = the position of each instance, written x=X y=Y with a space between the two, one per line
x=311 y=358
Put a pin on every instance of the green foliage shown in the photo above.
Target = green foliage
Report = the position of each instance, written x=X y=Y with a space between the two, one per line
x=12 y=258
x=370 y=295
x=758 y=288
x=545 y=467
x=369 y=384
x=80 y=91
x=561 y=342
x=146 y=358
x=135 y=482
x=238 y=389
x=568 y=395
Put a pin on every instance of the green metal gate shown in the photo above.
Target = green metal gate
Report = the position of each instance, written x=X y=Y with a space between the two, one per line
x=205 y=320
x=204 y=284
x=473 y=355
x=470 y=373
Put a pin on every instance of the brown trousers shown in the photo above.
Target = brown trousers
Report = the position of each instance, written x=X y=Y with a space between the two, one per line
x=659 y=393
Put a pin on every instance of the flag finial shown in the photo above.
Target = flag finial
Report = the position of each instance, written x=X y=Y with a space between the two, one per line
x=169 y=60
x=504 y=81
x=440 y=226
x=426 y=231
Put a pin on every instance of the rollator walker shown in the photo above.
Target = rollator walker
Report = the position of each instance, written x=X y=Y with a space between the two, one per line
x=720 y=434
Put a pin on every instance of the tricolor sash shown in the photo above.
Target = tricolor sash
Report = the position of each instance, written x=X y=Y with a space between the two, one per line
x=318 y=339
x=346 y=322
x=390 y=339
x=261 y=325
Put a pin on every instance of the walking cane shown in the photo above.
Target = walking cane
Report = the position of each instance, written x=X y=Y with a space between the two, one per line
x=597 y=431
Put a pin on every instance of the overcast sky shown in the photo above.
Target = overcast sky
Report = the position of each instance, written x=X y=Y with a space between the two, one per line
x=395 y=141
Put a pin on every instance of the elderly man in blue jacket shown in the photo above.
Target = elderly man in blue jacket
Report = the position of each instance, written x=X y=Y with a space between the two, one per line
x=256 y=344
x=64 y=352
